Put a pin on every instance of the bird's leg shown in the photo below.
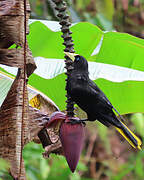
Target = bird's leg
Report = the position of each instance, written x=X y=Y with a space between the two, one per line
x=75 y=121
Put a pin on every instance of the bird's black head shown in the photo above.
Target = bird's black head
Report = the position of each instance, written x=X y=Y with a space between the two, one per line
x=80 y=63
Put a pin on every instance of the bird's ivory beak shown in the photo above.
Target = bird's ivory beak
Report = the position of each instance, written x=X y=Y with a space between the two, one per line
x=70 y=55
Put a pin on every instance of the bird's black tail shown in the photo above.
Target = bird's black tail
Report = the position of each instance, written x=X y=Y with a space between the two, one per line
x=129 y=136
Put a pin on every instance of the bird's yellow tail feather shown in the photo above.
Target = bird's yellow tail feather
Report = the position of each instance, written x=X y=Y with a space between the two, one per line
x=121 y=131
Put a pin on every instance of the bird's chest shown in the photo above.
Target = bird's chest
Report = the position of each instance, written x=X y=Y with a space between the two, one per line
x=75 y=83
x=78 y=87
x=80 y=92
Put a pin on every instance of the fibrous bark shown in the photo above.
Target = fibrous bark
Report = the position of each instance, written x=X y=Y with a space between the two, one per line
x=19 y=123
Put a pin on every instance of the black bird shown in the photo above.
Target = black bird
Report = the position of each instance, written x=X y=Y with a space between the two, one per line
x=88 y=96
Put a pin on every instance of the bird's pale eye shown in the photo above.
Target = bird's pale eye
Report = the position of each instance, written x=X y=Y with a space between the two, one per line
x=77 y=58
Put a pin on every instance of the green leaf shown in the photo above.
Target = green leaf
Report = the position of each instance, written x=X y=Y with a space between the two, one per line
x=115 y=48
x=122 y=86
x=6 y=81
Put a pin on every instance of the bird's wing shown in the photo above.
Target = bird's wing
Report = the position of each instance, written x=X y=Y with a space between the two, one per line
x=102 y=97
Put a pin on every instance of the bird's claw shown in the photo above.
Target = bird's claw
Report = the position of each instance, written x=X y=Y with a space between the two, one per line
x=75 y=121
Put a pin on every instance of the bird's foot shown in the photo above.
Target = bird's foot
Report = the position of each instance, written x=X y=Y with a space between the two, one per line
x=76 y=121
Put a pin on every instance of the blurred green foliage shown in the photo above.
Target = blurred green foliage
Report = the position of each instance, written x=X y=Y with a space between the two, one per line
x=138 y=121
x=4 y=166
x=126 y=16
x=99 y=12
x=133 y=169
x=53 y=168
